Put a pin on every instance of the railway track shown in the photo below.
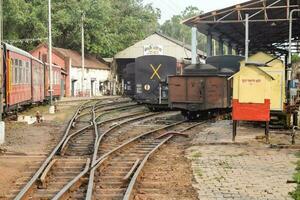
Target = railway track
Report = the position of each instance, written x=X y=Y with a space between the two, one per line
x=73 y=153
x=113 y=175
x=92 y=162
x=118 y=169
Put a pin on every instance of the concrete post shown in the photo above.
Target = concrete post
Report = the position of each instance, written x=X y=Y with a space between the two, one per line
x=247 y=38
x=209 y=45
x=2 y=132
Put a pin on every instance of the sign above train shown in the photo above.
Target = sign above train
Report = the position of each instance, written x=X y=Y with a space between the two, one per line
x=153 y=49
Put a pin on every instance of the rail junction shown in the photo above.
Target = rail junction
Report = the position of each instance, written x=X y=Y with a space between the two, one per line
x=94 y=161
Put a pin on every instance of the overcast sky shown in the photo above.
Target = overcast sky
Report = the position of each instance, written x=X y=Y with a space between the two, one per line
x=172 y=7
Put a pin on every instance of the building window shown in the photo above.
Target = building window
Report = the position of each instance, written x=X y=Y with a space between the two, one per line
x=44 y=58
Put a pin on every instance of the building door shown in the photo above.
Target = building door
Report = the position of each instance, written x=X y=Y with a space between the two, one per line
x=62 y=87
x=73 y=88
x=92 y=87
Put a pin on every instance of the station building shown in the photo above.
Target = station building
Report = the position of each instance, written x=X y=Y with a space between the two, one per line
x=96 y=71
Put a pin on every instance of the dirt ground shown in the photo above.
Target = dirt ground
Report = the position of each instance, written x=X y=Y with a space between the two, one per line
x=167 y=175
x=26 y=146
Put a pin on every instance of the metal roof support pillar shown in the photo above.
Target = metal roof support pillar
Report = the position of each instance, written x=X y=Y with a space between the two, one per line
x=247 y=38
x=209 y=45
x=194 y=45
x=221 y=46
x=291 y=35
x=289 y=69
x=229 y=49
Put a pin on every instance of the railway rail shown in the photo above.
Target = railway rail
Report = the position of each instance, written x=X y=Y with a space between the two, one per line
x=72 y=154
x=90 y=163
x=113 y=175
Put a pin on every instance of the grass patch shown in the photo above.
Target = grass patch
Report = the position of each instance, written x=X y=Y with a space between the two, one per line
x=296 y=194
x=196 y=155
x=199 y=172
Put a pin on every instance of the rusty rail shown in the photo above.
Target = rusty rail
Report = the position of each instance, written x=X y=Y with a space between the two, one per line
x=35 y=177
x=66 y=188
x=141 y=166
x=89 y=126
x=92 y=171
x=71 y=183
x=99 y=161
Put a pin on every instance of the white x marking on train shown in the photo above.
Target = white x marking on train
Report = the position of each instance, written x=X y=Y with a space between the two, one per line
x=155 y=71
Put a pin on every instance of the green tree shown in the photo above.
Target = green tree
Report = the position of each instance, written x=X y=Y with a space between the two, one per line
x=110 y=26
x=174 y=27
x=295 y=58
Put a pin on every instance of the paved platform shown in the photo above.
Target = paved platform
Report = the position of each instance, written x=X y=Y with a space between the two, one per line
x=246 y=170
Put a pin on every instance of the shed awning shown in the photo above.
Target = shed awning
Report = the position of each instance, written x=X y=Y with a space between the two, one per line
x=268 y=24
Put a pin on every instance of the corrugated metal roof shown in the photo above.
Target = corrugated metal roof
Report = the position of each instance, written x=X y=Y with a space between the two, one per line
x=269 y=23
x=187 y=46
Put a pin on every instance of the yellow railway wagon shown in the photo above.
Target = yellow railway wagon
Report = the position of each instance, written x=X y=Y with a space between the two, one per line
x=271 y=75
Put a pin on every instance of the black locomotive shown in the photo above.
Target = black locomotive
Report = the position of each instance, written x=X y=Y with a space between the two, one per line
x=129 y=80
x=151 y=80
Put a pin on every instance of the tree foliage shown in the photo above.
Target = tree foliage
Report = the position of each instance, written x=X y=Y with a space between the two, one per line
x=295 y=58
x=110 y=26
x=174 y=28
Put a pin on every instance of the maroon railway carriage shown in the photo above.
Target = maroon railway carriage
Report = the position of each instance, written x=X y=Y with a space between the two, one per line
x=204 y=89
x=38 y=80
x=26 y=79
x=17 y=77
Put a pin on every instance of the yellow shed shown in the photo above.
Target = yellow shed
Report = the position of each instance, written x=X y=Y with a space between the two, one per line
x=263 y=77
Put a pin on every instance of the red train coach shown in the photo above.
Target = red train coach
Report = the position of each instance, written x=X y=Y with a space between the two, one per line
x=17 y=77
x=26 y=79
x=38 y=80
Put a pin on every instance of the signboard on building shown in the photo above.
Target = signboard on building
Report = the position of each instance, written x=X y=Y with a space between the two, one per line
x=153 y=49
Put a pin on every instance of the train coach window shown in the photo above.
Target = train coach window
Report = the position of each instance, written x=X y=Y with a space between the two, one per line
x=27 y=74
x=20 y=72
x=12 y=71
x=16 y=66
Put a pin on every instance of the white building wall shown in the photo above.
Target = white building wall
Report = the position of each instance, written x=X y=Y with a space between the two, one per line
x=98 y=75
x=169 y=48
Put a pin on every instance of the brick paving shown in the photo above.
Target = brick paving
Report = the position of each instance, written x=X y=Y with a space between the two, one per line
x=247 y=170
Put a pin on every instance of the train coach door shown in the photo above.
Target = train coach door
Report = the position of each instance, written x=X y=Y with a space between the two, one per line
x=73 y=88
x=195 y=89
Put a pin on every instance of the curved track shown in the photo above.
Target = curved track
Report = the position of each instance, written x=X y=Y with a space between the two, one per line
x=72 y=155
x=95 y=159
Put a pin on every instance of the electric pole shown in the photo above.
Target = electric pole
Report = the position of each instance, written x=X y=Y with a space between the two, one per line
x=82 y=52
x=2 y=124
x=51 y=109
